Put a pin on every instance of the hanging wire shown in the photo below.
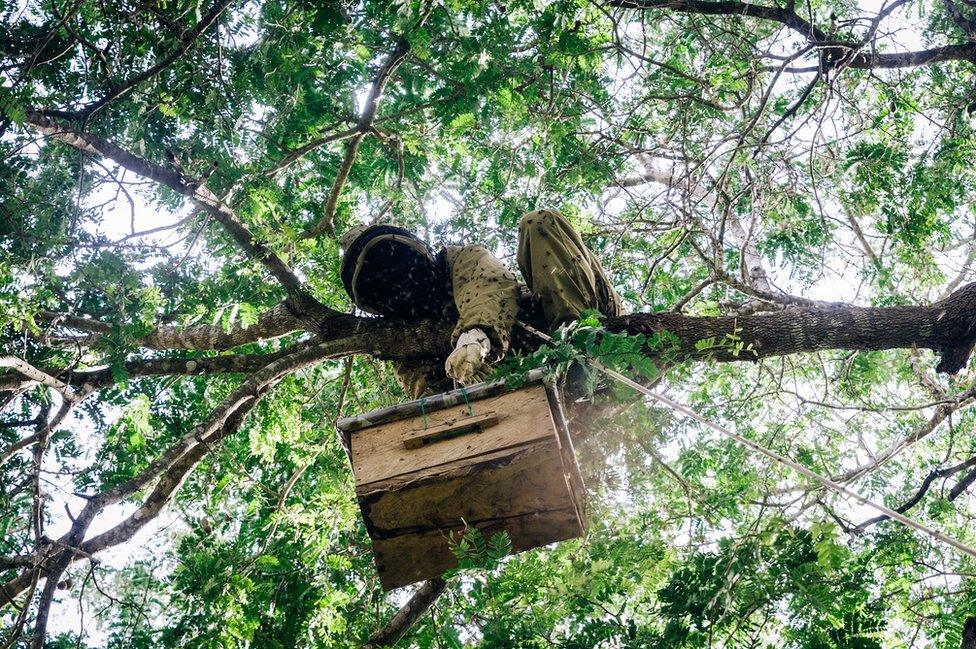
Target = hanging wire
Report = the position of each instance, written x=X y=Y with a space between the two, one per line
x=773 y=455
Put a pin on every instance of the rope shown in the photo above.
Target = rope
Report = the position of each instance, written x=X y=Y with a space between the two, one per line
x=773 y=455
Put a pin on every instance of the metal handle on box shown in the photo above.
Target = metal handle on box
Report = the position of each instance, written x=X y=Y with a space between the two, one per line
x=449 y=429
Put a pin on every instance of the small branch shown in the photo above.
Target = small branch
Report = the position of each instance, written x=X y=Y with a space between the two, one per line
x=187 y=41
x=296 y=154
x=683 y=302
x=408 y=615
x=922 y=490
x=942 y=413
x=365 y=123
x=12 y=450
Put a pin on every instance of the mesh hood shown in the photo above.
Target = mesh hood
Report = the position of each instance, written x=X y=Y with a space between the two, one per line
x=388 y=271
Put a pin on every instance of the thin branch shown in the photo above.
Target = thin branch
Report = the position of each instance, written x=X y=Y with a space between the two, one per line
x=942 y=413
x=408 y=615
x=96 y=377
x=187 y=40
x=365 y=123
x=923 y=489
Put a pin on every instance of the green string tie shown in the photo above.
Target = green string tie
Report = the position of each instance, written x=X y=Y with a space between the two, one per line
x=423 y=411
x=467 y=402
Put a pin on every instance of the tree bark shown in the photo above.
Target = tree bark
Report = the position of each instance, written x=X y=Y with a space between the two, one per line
x=407 y=616
x=947 y=327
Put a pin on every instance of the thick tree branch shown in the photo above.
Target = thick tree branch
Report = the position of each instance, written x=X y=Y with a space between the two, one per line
x=37 y=376
x=969 y=634
x=277 y=321
x=176 y=181
x=408 y=615
x=851 y=54
x=785 y=16
x=97 y=377
x=947 y=327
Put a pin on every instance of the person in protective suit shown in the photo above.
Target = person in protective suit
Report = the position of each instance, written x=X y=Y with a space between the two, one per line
x=388 y=271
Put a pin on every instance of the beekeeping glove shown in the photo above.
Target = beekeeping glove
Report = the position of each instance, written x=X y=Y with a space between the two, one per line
x=466 y=363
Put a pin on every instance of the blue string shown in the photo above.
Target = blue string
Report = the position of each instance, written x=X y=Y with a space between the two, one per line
x=423 y=411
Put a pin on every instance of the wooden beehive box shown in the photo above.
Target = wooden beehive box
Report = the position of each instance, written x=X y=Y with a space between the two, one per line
x=489 y=458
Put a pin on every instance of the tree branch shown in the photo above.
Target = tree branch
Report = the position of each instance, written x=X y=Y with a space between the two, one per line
x=97 y=377
x=920 y=493
x=376 y=336
x=947 y=327
x=392 y=62
x=830 y=49
x=199 y=194
x=171 y=467
x=37 y=376
x=273 y=323
x=408 y=615
x=187 y=40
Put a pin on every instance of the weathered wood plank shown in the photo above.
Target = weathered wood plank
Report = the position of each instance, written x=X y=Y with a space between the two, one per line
x=453 y=428
x=378 y=453
x=430 y=404
x=526 y=480
x=430 y=554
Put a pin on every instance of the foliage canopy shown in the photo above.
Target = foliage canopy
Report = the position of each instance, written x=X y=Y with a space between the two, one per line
x=721 y=157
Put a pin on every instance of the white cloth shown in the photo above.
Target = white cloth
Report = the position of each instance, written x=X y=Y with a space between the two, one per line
x=466 y=362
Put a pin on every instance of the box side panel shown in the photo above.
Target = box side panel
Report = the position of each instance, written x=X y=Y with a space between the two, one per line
x=378 y=453
x=406 y=559
x=525 y=480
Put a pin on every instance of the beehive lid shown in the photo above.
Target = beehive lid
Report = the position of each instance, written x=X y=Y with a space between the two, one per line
x=433 y=403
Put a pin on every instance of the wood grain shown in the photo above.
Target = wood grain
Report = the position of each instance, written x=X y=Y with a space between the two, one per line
x=377 y=453
x=430 y=555
x=527 y=480
x=453 y=428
